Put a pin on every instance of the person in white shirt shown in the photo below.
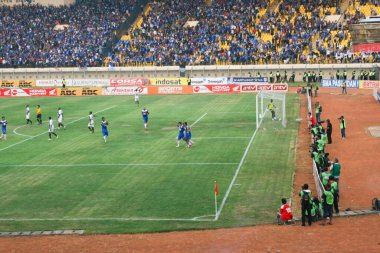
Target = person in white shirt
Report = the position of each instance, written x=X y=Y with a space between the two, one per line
x=60 y=118
x=27 y=115
x=51 y=129
x=137 y=98
x=91 y=122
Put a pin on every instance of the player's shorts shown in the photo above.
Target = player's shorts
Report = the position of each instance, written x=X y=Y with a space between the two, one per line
x=27 y=116
x=51 y=129
x=4 y=130
x=105 y=132
x=91 y=124
x=188 y=137
x=180 y=136
x=145 y=119
x=39 y=116
x=60 y=120
x=136 y=99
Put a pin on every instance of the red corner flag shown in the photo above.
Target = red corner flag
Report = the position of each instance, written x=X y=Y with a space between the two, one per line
x=216 y=190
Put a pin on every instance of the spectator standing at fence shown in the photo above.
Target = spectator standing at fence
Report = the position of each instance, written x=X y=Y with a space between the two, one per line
x=329 y=131
x=353 y=75
x=63 y=83
x=344 y=87
x=335 y=168
x=335 y=190
x=305 y=195
x=342 y=127
x=318 y=110
x=316 y=88
x=328 y=201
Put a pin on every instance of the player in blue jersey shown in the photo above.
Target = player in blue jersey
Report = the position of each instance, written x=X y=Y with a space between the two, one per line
x=181 y=132
x=3 y=123
x=104 y=125
x=189 y=142
x=145 y=114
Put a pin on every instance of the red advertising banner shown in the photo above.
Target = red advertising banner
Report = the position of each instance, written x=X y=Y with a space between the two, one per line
x=280 y=87
x=267 y=87
x=366 y=48
x=276 y=87
x=248 y=88
x=363 y=84
x=33 y=92
x=129 y=82
x=222 y=88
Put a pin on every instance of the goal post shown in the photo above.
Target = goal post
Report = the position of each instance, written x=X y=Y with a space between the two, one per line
x=263 y=99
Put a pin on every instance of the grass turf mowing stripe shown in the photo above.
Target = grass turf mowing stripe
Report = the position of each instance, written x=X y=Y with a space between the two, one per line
x=110 y=164
x=72 y=122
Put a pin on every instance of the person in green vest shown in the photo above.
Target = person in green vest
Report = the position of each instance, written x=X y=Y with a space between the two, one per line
x=258 y=74
x=353 y=76
x=335 y=170
x=316 y=88
x=344 y=87
x=345 y=75
x=328 y=201
x=366 y=75
x=285 y=79
x=361 y=75
x=309 y=77
x=313 y=76
x=337 y=74
x=309 y=89
x=342 y=127
x=316 y=209
x=271 y=77
x=304 y=76
x=305 y=195
x=278 y=76
x=318 y=112
x=325 y=175
x=320 y=76
x=335 y=190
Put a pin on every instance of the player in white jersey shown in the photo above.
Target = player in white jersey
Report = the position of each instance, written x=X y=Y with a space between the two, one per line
x=91 y=122
x=27 y=115
x=51 y=128
x=60 y=118
x=137 y=98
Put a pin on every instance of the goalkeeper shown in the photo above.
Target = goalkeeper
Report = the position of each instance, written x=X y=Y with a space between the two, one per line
x=271 y=108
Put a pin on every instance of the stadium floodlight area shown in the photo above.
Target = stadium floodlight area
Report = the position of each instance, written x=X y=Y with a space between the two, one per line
x=263 y=114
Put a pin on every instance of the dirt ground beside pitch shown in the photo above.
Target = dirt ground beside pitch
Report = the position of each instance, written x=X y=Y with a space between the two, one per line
x=359 y=184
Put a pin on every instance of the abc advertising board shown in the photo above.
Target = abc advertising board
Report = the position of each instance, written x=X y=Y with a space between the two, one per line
x=73 y=83
x=207 y=89
x=17 y=83
x=129 y=82
x=168 y=81
x=249 y=80
x=77 y=92
x=216 y=80
x=125 y=90
x=334 y=83
x=363 y=84
x=34 y=92
x=161 y=90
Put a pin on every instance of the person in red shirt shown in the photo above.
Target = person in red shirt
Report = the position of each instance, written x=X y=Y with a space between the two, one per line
x=312 y=121
x=284 y=214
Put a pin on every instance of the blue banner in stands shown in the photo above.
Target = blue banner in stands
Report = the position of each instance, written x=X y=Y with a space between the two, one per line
x=334 y=83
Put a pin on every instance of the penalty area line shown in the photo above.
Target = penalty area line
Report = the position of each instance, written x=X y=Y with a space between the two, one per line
x=195 y=219
x=111 y=164
x=38 y=135
x=219 y=211
x=199 y=119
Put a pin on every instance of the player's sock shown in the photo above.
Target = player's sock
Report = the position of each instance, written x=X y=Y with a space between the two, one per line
x=5 y=136
x=49 y=136
x=93 y=130
x=105 y=139
x=177 y=143
x=145 y=125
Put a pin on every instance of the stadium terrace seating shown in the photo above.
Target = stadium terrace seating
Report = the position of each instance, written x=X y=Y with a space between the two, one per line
x=60 y=36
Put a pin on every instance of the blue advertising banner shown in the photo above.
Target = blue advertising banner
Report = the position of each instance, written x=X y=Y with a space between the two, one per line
x=334 y=83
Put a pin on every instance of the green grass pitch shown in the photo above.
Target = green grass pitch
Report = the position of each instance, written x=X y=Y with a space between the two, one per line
x=139 y=181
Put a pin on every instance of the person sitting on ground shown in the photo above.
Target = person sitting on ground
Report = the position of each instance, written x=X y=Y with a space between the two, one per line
x=284 y=215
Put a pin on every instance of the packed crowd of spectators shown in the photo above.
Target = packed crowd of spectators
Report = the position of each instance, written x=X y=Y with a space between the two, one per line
x=31 y=37
x=222 y=32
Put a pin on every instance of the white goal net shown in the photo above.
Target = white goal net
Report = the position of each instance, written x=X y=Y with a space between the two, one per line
x=270 y=106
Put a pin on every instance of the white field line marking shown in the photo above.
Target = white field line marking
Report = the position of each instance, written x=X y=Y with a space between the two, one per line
x=15 y=132
x=237 y=171
x=195 y=219
x=110 y=164
x=32 y=137
x=201 y=117
x=224 y=137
